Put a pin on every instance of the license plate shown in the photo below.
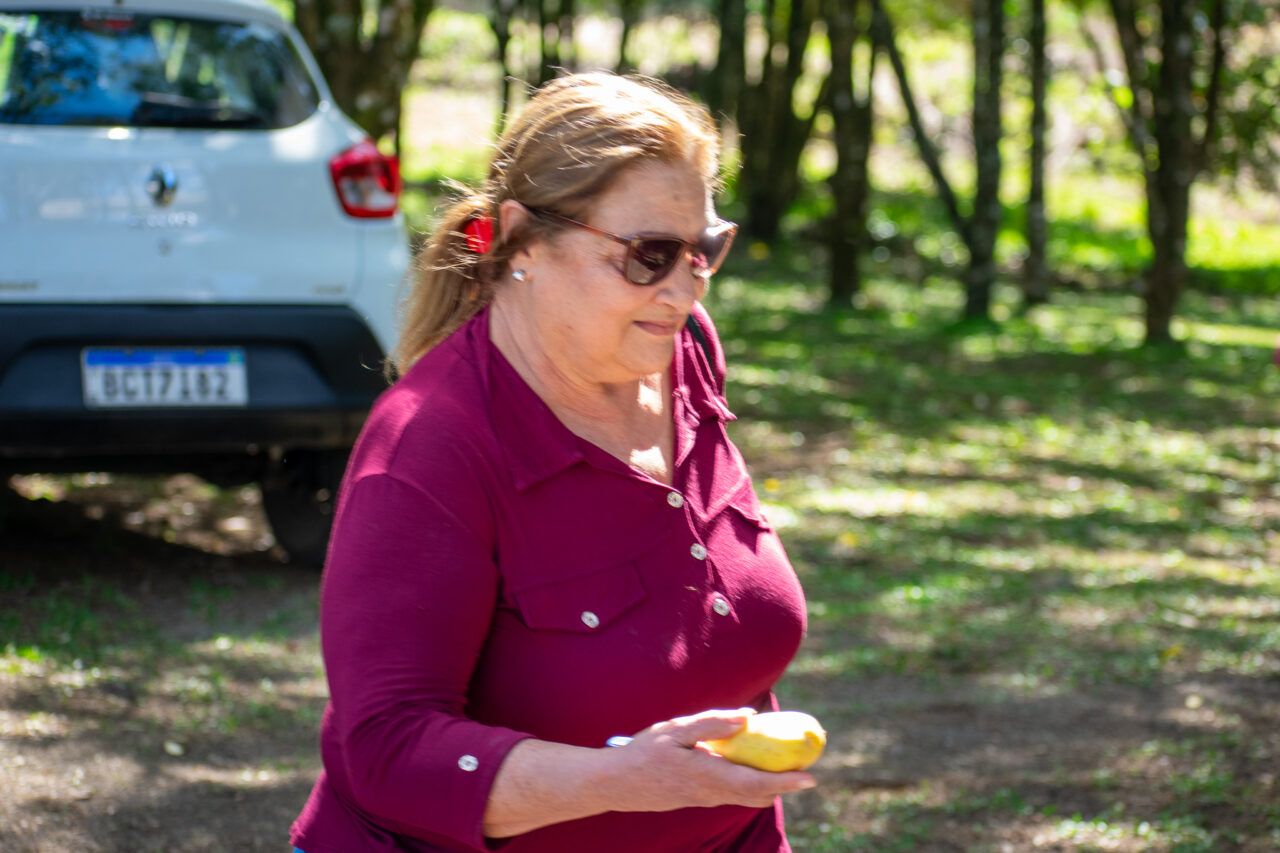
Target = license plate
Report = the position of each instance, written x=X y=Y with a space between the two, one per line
x=120 y=377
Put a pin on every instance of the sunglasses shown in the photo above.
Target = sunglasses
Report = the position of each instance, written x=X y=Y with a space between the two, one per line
x=651 y=256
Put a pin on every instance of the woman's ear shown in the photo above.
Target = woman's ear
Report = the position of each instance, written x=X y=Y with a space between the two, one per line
x=514 y=217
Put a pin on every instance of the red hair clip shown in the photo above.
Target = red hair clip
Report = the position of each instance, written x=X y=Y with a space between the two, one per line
x=479 y=234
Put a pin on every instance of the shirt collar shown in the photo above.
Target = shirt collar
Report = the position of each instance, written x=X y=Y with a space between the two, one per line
x=693 y=384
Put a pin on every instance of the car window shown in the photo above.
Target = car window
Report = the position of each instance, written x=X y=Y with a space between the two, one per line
x=120 y=68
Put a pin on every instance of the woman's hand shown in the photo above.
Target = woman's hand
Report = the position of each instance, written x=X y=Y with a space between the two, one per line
x=666 y=767
x=663 y=768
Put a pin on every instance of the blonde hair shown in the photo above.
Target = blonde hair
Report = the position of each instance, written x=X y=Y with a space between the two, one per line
x=565 y=148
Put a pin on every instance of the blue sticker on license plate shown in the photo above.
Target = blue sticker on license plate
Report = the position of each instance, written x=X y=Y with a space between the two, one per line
x=124 y=377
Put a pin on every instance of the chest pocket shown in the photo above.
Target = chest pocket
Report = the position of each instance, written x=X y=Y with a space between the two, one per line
x=585 y=604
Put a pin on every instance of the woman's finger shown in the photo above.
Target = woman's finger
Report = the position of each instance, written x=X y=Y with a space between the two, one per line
x=708 y=725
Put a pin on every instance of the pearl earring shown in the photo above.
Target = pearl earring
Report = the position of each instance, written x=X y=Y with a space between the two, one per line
x=519 y=275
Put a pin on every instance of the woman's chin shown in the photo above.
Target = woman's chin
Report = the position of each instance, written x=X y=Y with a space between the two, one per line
x=640 y=362
x=656 y=358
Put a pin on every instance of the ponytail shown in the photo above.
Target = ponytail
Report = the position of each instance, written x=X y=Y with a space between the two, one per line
x=452 y=283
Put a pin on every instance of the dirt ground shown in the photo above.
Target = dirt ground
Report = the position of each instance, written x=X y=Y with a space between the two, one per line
x=196 y=730
x=178 y=710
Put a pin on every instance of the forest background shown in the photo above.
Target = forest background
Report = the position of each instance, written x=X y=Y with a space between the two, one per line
x=1004 y=380
x=816 y=95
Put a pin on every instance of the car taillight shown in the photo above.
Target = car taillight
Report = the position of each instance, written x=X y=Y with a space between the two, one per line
x=367 y=181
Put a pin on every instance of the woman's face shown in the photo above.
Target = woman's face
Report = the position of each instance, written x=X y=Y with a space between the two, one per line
x=594 y=324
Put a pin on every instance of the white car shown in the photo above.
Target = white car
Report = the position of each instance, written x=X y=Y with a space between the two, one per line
x=200 y=255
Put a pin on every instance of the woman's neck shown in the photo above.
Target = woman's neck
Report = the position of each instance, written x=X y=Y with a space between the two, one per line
x=561 y=387
x=631 y=419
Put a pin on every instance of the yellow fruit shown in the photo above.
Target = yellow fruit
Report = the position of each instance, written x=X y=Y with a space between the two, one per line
x=775 y=741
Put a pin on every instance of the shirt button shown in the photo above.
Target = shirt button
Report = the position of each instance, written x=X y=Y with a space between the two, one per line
x=698 y=552
x=590 y=619
x=720 y=606
x=675 y=499
x=468 y=763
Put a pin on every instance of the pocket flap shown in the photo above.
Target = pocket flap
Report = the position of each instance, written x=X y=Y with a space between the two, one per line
x=584 y=604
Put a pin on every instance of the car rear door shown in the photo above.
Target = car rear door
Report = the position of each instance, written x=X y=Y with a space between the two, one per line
x=193 y=193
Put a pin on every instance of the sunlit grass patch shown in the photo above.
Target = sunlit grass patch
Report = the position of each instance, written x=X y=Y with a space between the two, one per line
x=1097 y=232
x=1042 y=500
x=1234 y=335
x=75 y=624
x=234 y=686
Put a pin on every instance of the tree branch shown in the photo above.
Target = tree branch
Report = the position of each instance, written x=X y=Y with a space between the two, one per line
x=885 y=35
x=1204 y=148
x=1136 y=131
x=1131 y=49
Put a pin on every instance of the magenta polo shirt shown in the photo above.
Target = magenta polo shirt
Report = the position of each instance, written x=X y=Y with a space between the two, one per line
x=493 y=577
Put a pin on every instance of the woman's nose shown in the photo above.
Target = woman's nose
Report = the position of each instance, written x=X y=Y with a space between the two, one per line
x=684 y=285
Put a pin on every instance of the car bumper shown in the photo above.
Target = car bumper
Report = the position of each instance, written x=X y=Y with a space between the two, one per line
x=312 y=372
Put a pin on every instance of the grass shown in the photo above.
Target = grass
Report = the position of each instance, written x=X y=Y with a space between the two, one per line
x=1040 y=510
x=131 y=623
x=1042 y=471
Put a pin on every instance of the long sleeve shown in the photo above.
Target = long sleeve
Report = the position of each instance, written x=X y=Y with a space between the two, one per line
x=408 y=597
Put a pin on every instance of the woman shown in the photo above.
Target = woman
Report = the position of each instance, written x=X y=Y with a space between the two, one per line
x=544 y=538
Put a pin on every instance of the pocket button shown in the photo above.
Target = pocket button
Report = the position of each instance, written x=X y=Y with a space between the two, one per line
x=590 y=619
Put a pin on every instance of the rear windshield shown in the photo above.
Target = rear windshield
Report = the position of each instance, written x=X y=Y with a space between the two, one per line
x=103 y=68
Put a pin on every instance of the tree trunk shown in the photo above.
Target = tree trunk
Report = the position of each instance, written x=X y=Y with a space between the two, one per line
x=1036 y=270
x=549 y=39
x=1212 y=96
x=751 y=114
x=979 y=230
x=500 y=15
x=984 y=223
x=629 y=12
x=728 y=79
x=1140 y=111
x=366 y=70
x=565 y=29
x=1166 y=278
x=886 y=38
x=851 y=117
x=1161 y=132
x=1169 y=206
x=775 y=136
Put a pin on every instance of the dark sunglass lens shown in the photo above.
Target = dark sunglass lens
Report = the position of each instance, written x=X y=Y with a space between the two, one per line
x=713 y=245
x=650 y=260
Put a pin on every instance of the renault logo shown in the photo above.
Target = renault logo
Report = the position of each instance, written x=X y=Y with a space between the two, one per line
x=162 y=184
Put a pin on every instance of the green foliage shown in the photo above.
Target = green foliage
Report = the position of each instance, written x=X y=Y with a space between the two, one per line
x=458 y=51
x=1249 y=122
x=1098 y=235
